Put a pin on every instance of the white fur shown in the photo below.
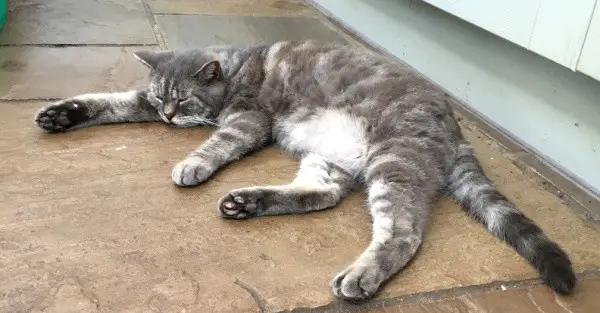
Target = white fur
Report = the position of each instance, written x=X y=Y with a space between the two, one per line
x=142 y=60
x=383 y=230
x=304 y=46
x=468 y=188
x=494 y=217
x=333 y=134
x=378 y=188
x=311 y=176
x=271 y=61
x=114 y=96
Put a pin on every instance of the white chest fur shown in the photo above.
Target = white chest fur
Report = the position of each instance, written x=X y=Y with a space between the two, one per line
x=333 y=134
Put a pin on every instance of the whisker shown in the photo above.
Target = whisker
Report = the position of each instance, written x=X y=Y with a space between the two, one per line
x=190 y=121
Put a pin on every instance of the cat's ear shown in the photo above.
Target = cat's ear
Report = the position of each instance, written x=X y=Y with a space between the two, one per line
x=210 y=72
x=152 y=58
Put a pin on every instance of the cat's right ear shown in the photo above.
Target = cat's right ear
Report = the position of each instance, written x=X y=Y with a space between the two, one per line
x=152 y=58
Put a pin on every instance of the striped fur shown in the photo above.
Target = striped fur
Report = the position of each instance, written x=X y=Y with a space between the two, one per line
x=477 y=195
x=351 y=116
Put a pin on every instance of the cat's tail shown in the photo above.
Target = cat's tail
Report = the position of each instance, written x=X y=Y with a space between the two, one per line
x=469 y=186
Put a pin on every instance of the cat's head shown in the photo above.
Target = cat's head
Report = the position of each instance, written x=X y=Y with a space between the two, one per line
x=185 y=87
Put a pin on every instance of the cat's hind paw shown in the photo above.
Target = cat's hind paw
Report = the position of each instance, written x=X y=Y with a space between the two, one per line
x=61 y=116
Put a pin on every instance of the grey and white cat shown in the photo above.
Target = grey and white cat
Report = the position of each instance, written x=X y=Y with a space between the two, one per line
x=351 y=116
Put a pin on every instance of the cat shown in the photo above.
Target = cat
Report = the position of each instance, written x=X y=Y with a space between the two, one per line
x=353 y=118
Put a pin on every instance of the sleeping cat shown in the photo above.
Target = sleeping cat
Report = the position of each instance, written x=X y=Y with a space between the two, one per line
x=352 y=117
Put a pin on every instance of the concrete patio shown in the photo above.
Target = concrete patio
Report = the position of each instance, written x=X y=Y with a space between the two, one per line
x=91 y=222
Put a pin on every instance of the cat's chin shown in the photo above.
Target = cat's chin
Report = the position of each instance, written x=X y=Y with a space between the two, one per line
x=187 y=125
x=188 y=122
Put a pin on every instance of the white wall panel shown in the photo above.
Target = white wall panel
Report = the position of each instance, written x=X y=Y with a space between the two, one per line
x=560 y=30
x=512 y=20
x=589 y=62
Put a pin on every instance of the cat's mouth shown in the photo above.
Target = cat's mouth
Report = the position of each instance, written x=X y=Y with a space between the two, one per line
x=165 y=119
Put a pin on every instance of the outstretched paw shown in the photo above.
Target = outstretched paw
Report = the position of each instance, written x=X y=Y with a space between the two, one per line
x=358 y=282
x=243 y=203
x=191 y=172
x=62 y=116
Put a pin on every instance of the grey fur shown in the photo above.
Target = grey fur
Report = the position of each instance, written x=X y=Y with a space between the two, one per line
x=351 y=116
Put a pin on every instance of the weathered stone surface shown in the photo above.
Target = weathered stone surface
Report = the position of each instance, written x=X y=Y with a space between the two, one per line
x=193 y=31
x=76 y=22
x=532 y=299
x=93 y=214
x=91 y=222
x=233 y=7
x=41 y=72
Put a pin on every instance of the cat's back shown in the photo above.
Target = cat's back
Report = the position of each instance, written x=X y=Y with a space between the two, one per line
x=336 y=100
x=322 y=60
x=330 y=73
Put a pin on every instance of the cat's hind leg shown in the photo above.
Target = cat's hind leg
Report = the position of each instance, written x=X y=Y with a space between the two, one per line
x=399 y=195
x=317 y=186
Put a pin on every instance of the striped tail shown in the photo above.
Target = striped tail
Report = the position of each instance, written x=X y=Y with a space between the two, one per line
x=469 y=186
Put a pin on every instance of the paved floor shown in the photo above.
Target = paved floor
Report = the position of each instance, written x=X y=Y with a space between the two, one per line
x=90 y=221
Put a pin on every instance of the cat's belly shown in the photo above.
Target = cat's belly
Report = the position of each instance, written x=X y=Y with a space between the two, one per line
x=333 y=134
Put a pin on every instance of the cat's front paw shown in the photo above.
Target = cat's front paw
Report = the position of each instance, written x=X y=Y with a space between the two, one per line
x=241 y=203
x=191 y=172
x=359 y=281
x=62 y=115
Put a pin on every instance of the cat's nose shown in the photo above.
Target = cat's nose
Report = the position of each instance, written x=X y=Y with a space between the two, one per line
x=169 y=114
x=170 y=110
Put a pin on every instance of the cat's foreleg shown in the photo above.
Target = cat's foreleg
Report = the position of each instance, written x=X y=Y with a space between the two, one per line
x=96 y=108
x=318 y=185
x=238 y=134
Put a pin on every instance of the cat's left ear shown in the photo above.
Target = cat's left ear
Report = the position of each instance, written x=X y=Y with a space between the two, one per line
x=152 y=58
x=210 y=72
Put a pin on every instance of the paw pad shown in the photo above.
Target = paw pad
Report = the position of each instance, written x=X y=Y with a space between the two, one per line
x=238 y=206
x=61 y=116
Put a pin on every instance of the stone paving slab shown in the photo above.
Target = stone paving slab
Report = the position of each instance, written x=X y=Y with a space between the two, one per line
x=233 y=7
x=76 y=22
x=91 y=218
x=91 y=222
x=42 y=72
x=189 y=31
x=531 y=299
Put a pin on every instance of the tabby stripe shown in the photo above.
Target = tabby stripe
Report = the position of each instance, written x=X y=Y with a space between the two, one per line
x=480 y=198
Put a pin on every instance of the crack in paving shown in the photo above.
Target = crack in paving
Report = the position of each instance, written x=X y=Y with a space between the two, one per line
x=261 y=302
x=66 y=45
x=158 y=36
x=195 y=285
x=343 y=306
x=41 y=99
